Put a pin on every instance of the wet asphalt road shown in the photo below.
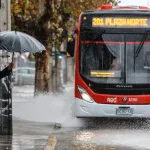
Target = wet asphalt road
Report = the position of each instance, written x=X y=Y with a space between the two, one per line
x=99 y=134
x=26 y=136
x=95 y=134
x=23 y=142
x=107 y=134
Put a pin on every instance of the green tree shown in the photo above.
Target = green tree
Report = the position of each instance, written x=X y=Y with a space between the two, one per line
x=47 y=20
x=76 y=7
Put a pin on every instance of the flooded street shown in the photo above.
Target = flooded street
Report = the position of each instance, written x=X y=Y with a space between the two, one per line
x=23 y=142
x=34 y=127
x=115 y=134
x=97 y=134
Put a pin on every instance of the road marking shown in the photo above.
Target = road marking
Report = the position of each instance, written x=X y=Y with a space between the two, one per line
x=51 y=143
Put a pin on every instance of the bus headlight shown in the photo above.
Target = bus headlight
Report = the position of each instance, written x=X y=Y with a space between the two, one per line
x=85 y=96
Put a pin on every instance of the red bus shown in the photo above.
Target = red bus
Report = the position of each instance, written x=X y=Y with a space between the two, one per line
x=112 y=67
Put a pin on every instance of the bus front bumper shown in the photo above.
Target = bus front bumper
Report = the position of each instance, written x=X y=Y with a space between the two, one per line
x=86 y=109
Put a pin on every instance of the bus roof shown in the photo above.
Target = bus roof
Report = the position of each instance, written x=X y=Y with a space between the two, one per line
x=130 y=7
x=119 y=9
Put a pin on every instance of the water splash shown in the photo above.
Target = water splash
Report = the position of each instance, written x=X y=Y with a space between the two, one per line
x=50 y=109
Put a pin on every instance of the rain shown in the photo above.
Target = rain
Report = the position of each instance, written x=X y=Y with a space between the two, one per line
x=75 y=75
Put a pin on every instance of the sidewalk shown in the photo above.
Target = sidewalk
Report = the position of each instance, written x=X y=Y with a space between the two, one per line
x=47 y=108
x=28 y=90
x=23 y=91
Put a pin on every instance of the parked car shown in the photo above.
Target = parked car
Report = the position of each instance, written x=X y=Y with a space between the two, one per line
x=23 y=76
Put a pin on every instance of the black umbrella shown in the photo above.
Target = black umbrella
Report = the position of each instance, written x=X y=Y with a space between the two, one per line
x=14 y=41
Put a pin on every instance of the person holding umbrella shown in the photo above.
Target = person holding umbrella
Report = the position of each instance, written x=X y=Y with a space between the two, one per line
x=15 y=41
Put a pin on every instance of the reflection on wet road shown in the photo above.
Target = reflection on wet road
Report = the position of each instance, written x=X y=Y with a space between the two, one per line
x=107 y=134
x=86 y=141
x=75 y=134
x=93 y=134
x=97 y=134
x=23 y=142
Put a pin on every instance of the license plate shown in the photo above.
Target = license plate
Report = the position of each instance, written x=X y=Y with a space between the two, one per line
x=124 y=111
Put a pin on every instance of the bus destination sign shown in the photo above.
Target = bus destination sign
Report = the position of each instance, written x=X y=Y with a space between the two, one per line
x=120 y=22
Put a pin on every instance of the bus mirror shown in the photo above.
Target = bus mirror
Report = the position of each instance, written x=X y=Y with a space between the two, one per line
x=70 y=46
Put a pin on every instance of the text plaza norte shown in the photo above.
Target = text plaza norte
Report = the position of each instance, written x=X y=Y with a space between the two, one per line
x=138 y=22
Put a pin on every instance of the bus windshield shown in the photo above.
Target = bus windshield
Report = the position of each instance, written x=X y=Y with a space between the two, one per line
x=116 y=58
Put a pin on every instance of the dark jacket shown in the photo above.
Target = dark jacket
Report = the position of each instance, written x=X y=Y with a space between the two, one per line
x=5 y=72
x=5 y=90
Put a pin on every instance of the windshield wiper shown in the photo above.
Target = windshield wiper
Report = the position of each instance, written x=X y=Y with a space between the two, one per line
x=97 y=36
x=134 y=56
x=141 y=44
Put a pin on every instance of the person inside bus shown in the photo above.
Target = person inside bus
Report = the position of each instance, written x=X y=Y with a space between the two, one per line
x=6 y=71
x=115 y=64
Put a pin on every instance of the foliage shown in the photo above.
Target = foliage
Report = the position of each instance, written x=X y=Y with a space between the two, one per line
x=74 y=8
x=26 y=15
x=48 y=21
x=26 y=9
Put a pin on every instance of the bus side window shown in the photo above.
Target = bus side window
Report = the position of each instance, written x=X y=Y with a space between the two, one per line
x=70 y=46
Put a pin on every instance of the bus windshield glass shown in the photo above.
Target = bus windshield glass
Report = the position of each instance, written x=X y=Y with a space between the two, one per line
x=115 y=57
